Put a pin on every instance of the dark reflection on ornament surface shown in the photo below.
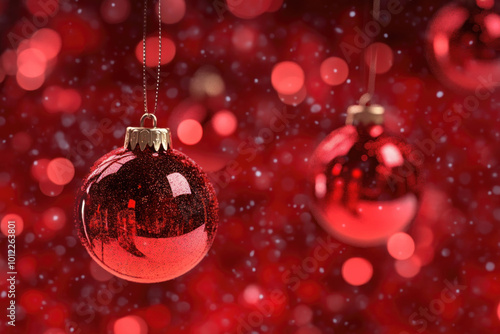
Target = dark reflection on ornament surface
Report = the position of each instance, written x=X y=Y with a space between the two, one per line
x=146 y=216
x=365 y=184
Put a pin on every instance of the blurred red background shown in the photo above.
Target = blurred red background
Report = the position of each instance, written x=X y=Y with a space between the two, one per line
x=71 y=84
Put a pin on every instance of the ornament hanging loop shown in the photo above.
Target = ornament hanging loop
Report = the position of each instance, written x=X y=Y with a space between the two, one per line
x=148 y=115
x=365 y=99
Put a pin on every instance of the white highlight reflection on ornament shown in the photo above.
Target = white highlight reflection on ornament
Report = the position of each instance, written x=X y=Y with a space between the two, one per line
x=104 y=167
x=115 y=166
x=320 y=185
x=391 y=155
x=338 y=143
x=178 y=184
x=82 y=213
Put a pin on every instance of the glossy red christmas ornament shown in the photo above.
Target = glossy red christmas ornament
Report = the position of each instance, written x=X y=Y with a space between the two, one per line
x=365 y=181
x=464 y=45
x=146 y=213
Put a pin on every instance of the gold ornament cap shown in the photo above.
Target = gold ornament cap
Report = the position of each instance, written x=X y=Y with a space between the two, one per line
x=362 y=114
x=156 y=138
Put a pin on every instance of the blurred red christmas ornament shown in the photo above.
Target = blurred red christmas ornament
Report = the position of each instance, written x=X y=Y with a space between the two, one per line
x=365 y=182
x=464 y=45
x=146 y=213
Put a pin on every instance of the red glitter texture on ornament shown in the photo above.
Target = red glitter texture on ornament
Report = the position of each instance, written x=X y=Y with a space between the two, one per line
x=146 y=216
x=365 y=185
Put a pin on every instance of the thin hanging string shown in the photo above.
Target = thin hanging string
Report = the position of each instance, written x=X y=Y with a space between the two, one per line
x=144 y=77
x=373 y=62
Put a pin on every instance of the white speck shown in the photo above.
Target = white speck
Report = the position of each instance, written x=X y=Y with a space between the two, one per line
x=490 y=266
x=496 y=214
x=440 y=94
x=315 y=108
x=496 y=190
x=172 y=93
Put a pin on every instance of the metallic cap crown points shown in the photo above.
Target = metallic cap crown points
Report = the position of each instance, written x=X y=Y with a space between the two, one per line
x=153 y=137
x=359 y=114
